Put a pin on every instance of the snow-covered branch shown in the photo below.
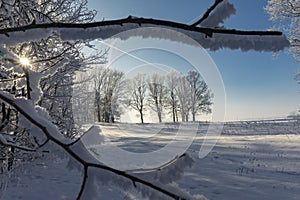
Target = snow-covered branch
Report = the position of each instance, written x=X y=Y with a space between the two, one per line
x=222 y=12
x=210 y=38
x=76 y=150
x=207 y=13
x=286 y=15
x=5 y=142
x=137 y=21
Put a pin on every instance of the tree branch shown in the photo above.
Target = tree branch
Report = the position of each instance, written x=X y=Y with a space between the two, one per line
x=54 y=57
x=84 y=181
x=207 y=13
x=4 y=142
x=140 y=21
x=11 y=79
x=41 y=124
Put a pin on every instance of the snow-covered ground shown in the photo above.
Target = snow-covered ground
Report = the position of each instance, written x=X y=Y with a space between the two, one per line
x=252 y=160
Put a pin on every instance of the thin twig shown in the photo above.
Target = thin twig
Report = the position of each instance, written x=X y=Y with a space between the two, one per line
x=207 y=13
x=12 y=79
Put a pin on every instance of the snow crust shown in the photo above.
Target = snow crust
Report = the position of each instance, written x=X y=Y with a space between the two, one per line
x=252 y=160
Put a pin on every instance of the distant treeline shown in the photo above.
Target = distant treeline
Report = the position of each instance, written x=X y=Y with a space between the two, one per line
x=102 y=94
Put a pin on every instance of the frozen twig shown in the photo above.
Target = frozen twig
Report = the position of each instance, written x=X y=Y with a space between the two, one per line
x=207 y=13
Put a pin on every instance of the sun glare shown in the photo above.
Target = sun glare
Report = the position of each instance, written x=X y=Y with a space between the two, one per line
x=24 y=61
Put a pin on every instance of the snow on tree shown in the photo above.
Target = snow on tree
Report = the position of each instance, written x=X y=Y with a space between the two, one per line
x=98 y=94
x=172 y=99
x=83 y=104
x=51 y=59
x=51 y=34
x=138 y=94
x=184 y=94
x=157 y=93
x=99 y=80
x=201 y=97
x=287 y=15
x=54 y=58
x=108 y=86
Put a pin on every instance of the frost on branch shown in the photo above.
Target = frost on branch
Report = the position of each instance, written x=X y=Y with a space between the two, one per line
x=211 y=38
x=286 y=14
x=34 y=115
x=20 y=37
x=70 y=34
x=220 y=38
x=77 y=152
x=222 y=12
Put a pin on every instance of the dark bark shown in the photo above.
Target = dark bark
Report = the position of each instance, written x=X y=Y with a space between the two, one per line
x=194 y=116
x=140 y=21
x=207 y=13
x=142 y=116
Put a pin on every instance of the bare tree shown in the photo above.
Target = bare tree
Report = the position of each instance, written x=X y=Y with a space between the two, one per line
x=171 y=97
x=138 y=94
x=157 y=94
x=83 y=99
x=99 y=76
x=201 y=97
x=183 y=91
x=108 y=89
x=119 y=98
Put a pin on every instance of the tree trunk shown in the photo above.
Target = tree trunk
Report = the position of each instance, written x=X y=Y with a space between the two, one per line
x=194 y=116
x=112 y=119
x=159 y=114
x=98 y=114
x=158 y=110
x=11 y=159
x=159 y=117
x=173 y=114
x=97 y=102
x=173 y=106
x=142 y=117
x=106 y=117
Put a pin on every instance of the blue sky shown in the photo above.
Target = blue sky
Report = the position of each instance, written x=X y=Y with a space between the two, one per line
x=258 y=85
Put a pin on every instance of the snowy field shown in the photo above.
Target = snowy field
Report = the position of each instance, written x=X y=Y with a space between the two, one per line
x=252 y=160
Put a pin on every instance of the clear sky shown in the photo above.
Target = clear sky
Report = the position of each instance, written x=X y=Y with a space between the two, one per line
x=258 y=85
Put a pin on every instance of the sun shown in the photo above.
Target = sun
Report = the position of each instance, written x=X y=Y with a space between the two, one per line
x=24 y=61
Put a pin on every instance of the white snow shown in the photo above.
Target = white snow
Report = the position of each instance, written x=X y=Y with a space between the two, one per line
x=36 y=113
x=252 y=160
x=41 y=179
x=34 y=79
x=125 y=160
x=222 y=12
x=20 y=37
